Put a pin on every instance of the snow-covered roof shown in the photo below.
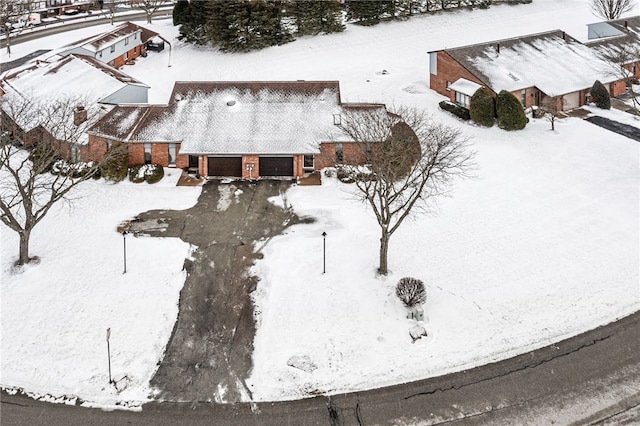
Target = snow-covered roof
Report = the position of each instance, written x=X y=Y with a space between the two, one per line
x=553 y=61
x=236 y=118
x=77 y=78
x=618 y=39
x=103 y=40
x=467 y=87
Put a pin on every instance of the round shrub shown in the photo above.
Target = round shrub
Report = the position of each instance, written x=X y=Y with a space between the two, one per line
x=136 y=173
x=153 y=173
x=411 y=291
x=482 y=108
x=510 y=112
x=600 y=95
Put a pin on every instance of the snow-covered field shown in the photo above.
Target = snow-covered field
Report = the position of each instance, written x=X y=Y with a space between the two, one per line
x=542 y=244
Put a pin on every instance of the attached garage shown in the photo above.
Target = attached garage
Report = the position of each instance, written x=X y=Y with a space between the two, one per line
x=276 y=166
x=225 y=166
x=571 y=100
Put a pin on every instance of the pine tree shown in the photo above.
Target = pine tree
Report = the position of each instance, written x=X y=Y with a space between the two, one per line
x=315 y=17
x=180 y=12
x=193 y=19
x=482 y=107
x=510 y=112
x=600 y=95
x=364 y=12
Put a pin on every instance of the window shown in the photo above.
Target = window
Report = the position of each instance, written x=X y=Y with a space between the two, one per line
x=75 y=153
x=172 y=154
x=307 y=163
x=337 y=119
x=368 y=153
x=113 y=48
x=523 y=97
x=126 y=41
x=135 y=36
x=462 y=99
x=109 y=144
x=147 y=153
x=339 y=153
x=125 y=56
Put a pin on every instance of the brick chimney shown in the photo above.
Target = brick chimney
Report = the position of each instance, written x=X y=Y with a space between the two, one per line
x=79 y=115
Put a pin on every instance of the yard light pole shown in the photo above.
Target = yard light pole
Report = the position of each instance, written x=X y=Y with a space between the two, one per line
x=124 y=242
x=324 y=252
x=109 y=353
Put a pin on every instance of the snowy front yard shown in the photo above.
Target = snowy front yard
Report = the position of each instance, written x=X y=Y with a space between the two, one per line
x=542 y=244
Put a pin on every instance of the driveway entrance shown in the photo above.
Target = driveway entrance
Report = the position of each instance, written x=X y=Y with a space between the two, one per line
x=208 y=356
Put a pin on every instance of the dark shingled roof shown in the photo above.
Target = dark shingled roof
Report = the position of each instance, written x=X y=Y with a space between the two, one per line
x=98 y=42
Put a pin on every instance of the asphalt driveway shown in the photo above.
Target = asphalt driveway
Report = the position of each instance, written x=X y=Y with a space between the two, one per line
x=209 y=354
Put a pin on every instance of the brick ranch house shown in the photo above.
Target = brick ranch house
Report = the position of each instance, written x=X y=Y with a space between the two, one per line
x=531 y=67
x=620 y=39
x=236 y=129
x=91 y=88
x=117 y=47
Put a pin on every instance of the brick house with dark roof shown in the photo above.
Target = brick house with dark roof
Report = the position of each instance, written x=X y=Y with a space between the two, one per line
x=237 y=129
x=531 y=67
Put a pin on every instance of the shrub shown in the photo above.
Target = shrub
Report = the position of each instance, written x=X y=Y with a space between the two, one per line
x=411 y=291
x=600 y=95
x=153 y=173
x=482 y=108
x=510 y=112
x=454 y=109
x=116 y=164
x=136 y=173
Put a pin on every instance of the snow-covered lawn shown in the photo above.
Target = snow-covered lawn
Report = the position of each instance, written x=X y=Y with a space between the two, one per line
x=55 y=314
x=542 y=244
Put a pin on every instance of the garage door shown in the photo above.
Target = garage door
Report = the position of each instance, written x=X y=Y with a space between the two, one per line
x=571 y=100
x=225 y=166
x=276 y=166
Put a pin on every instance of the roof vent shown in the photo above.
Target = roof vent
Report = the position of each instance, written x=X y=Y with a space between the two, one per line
x=497 y=47
x=231 y=102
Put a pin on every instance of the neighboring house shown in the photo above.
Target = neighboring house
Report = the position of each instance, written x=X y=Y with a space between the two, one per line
x=531 y=67
x=124 y=43
x=618 y=40
x=93 y=87
x=237 y=129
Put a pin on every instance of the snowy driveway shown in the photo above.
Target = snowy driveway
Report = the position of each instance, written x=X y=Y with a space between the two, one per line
x=209 y=353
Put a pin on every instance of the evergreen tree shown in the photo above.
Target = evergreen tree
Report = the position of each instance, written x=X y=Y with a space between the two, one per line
x=600 y=95
x=315 y=17
x=510 y=112
x=482 y=107
x=180 y=12
x=365 y=12
x=193 y=19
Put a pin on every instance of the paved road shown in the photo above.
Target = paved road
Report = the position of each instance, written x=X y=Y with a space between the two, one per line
x=620 y=128
x=592 y=379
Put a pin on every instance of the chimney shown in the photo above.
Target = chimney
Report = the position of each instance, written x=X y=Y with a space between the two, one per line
x=564 y=36
x=626 y=24
x=498 y=48
x=79 y=115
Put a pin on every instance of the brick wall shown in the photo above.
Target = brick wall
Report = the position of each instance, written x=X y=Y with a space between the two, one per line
x=96 y=148
x=250 y=159
x=352 y=154
x=298 y=163
x=136 y=153
x=449 y=70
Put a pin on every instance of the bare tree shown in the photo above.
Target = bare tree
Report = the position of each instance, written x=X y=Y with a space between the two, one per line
x=110 y=8
x=14 y=18
x=412 y=160
x=28 y=189
x=620 y=59
x=149 y=7
x=551 y=106
x=611 y=9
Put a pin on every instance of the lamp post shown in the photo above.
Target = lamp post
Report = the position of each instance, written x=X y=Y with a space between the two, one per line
x=324 y=252
x=109 y=353
x=124 y=242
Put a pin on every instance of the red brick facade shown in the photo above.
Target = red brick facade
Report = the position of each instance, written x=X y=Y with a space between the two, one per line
x=128 y=56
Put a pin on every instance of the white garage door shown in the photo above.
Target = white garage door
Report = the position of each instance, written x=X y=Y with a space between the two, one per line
x=571 y=100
